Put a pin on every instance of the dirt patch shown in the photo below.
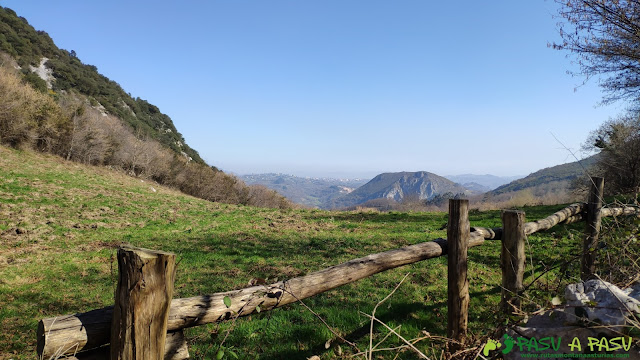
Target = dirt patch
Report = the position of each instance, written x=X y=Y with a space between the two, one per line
x=15 y=231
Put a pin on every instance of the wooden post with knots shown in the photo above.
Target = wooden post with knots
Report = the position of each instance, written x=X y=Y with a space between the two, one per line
x=458 y=234
x=512 y=258
x=592 y=230
x=142 y=301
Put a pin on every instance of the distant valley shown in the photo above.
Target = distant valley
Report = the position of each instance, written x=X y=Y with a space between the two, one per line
x=387 y=190
x=331 y=193
x=481 y=183
x=312 y=192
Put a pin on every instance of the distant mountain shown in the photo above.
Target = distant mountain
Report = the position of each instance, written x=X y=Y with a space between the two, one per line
x=314 y=192
x=552 y=180
x=486 y=182
x=397 y=186
x=475 y=187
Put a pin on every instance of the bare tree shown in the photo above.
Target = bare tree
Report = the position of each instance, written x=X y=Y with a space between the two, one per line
x=604 y=36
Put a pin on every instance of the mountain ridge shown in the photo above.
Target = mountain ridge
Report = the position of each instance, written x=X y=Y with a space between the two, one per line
x=551 y=185
x=399 y=186
x=553 y=174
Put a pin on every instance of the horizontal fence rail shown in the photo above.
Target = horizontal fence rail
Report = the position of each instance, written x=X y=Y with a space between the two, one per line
x=69 y=334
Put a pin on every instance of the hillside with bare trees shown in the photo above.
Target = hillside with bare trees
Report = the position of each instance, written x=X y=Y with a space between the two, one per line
x=51 y=102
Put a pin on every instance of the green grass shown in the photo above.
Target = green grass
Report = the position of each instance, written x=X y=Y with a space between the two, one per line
x=60 y=223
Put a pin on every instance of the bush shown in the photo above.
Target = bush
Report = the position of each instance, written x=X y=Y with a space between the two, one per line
x=35 y=81
x=618 y=141
x=29 y=118
x=261 y=196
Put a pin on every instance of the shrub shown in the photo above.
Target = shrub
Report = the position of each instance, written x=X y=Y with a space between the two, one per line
x=29 y=118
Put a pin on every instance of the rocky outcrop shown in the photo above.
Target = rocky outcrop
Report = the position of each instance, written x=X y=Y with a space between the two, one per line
x=603 y=303
x=44 y=72
x=397 y=186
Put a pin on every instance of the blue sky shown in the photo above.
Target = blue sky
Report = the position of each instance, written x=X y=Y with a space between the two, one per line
x=342 y=88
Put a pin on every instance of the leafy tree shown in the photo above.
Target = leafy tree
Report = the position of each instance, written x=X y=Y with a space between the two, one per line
x=618 y=141
x=604 y=35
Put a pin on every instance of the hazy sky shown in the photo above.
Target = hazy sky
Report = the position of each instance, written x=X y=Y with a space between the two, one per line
x=342 y=88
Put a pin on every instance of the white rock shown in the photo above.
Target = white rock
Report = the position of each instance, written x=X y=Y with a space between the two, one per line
x=602 y=302
x=43 y=72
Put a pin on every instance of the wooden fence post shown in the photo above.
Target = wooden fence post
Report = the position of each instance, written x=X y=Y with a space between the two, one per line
x=142 y=301
x=512 y=258
x=458 y=234
x=592 y=230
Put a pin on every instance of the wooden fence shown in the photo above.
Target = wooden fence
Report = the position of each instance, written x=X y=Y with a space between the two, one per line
x=146 y=323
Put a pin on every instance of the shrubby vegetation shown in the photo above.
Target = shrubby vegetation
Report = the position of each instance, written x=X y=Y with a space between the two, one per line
x=66 y=122
x=28 y=47
x=29 y=118
x=603 y=36
x=618 y=143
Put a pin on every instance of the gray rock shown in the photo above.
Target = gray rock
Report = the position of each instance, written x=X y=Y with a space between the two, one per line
x=590 y=305
x=602 y=302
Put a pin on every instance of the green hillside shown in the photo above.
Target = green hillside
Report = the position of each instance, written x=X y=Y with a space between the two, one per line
x=63 y=107
x=28 y=46
x=61 y=221
x=559 y=175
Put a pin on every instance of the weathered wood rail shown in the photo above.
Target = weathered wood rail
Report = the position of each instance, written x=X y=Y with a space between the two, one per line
x=72 y=335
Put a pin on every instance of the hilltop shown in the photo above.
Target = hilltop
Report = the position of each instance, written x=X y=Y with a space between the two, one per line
x=399 y=186
x=553 y=183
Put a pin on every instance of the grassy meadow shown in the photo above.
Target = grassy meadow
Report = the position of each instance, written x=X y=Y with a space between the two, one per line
x=60 y=224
